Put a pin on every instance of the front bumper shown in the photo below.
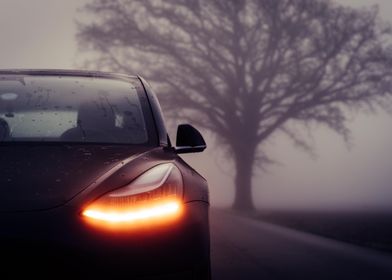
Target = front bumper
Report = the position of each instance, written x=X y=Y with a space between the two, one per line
x=59 y=242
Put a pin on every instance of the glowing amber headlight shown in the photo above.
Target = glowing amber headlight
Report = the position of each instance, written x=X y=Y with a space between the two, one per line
x=156 y=194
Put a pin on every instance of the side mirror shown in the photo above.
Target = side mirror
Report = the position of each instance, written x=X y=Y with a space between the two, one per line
x=189 y=140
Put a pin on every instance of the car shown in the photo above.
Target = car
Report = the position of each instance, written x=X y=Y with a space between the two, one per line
x=90 y=183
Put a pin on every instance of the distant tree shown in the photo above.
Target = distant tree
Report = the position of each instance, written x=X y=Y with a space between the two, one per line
x=246 y=69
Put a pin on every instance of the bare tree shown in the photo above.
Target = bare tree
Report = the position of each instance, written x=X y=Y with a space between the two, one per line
x=245 y=69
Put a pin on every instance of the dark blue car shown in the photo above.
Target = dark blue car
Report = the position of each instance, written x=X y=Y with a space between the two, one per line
x=90 y=185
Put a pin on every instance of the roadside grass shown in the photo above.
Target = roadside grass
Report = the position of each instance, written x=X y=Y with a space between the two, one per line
x=368 y=229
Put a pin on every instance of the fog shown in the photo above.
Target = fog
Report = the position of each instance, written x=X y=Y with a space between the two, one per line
x=41 y=34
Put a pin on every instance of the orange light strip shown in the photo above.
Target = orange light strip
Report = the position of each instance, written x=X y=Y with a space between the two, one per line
x=167 y=208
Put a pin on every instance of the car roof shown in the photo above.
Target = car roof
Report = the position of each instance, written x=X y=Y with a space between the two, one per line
x=66 y=72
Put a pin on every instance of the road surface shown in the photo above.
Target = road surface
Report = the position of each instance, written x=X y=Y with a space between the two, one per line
x=243 y=248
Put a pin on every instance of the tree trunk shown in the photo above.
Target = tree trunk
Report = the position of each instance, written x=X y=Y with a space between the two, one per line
x=244 y=160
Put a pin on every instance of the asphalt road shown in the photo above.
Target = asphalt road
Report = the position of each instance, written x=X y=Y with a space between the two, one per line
x=243 y=248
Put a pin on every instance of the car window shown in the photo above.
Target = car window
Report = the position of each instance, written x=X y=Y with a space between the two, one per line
x=71 y=109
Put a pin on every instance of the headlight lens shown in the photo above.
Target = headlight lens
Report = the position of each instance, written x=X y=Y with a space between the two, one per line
x=154 y=195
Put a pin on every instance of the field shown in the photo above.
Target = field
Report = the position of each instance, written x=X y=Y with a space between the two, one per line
x=372 y=229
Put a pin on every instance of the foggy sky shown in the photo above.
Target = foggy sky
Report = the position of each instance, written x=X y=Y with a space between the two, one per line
x=40 y=34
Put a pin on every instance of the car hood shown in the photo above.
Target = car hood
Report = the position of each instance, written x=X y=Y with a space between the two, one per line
x=37 y=177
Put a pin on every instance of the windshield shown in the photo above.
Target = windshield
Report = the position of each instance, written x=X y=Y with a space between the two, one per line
x=71 y=109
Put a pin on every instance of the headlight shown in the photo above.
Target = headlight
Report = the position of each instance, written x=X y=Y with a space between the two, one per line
x=154 y=195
